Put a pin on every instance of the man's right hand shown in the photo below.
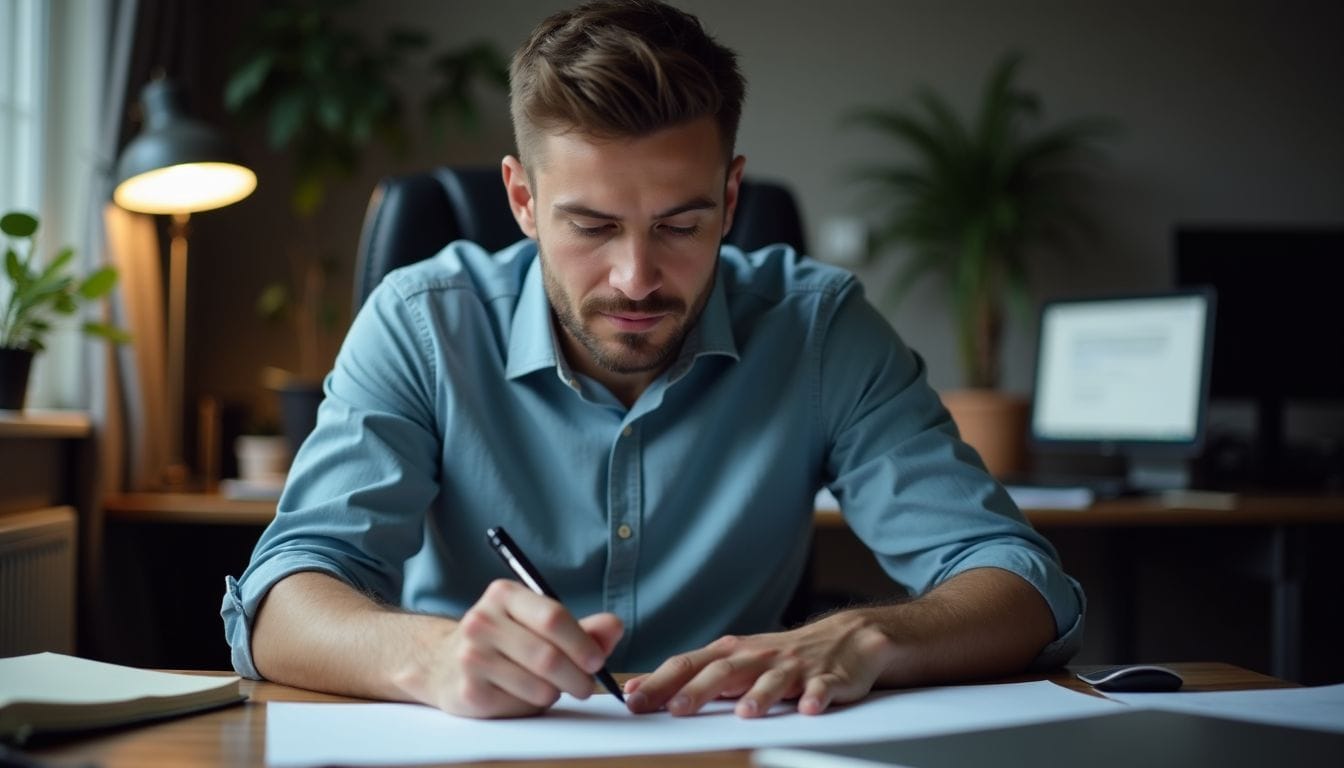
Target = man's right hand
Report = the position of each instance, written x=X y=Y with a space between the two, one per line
x=514 y=652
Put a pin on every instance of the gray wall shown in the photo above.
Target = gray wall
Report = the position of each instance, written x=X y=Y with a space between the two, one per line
x=1231 y=112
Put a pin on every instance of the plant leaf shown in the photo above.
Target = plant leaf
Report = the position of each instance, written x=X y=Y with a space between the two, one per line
x=15 y=269
x=246 y=82
x=109 y=332
x=98 y=283
x=18 y=224
x=58 y=263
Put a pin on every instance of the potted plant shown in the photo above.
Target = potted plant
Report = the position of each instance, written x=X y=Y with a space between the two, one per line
x=37 y=294
x=326 y=93
x=972 y=202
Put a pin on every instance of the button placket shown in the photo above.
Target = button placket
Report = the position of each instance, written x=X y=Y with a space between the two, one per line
x=625 y=498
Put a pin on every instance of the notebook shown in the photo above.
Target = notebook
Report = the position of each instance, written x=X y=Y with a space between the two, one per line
x=1148 y=738
x=49 y=692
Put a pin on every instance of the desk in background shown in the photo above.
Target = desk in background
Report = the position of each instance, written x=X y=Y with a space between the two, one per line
x=1273 y=535
x=237 y=735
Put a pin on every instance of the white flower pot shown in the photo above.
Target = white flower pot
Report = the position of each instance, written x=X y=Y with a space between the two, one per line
x=262 y=458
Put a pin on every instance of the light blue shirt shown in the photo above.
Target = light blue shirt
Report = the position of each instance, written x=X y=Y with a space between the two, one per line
x=688 y=515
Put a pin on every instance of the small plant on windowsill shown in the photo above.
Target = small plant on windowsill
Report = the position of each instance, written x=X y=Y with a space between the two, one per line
x=38 y=294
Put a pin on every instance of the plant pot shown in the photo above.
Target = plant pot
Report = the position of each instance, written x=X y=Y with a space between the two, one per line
x=298 y=410
x=994 y=424
x=262 y=458
x=14 y=367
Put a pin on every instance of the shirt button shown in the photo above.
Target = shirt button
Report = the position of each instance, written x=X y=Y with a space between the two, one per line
x=627 y=431
x=624 y=531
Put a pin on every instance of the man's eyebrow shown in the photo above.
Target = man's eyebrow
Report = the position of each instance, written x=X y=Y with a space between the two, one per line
x=578 y=209
x=697 y=204
x=582 y=210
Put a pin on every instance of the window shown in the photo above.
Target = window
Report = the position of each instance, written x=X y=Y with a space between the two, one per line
x=23 y=45
x=48 y=98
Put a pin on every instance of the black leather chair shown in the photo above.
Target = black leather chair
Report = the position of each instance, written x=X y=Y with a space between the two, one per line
x=412 y=217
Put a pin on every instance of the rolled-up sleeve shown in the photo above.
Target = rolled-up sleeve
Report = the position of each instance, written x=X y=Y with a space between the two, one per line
x=355 y=502
x=910 y=489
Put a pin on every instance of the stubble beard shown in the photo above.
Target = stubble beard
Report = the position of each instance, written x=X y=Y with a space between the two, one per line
x=626 y=353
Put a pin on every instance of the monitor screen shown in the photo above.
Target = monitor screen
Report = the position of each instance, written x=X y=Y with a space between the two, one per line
x=1280 y=328
x=1124 y=371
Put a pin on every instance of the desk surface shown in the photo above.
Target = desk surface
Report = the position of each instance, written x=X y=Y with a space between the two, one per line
x=237 y=735
x=204 y=508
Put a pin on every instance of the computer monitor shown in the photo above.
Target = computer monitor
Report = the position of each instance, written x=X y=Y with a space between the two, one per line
x=1127 y=376
x=1280 y=327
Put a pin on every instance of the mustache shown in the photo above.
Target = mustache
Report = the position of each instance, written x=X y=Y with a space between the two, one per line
x=651 y=305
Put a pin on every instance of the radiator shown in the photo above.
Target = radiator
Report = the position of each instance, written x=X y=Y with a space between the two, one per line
x=37 y=581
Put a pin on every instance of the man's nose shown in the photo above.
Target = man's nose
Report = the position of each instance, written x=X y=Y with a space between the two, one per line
x=633 y=271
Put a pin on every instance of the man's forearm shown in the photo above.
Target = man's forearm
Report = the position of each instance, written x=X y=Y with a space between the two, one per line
x=315 y=632
x=981 y=623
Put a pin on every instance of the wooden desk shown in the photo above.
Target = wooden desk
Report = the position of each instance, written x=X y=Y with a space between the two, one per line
x=237 y=735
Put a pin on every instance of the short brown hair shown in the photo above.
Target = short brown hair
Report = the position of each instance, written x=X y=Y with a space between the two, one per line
x=617 y=68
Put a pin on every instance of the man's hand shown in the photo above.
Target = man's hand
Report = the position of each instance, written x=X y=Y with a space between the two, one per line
x=514 y=652
x=981 y=623
x=836 y=659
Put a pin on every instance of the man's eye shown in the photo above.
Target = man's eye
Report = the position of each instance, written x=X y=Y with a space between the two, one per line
x=682 y=231
x=597 y=231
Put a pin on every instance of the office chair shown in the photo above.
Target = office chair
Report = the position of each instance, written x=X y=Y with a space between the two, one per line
x=412 y=217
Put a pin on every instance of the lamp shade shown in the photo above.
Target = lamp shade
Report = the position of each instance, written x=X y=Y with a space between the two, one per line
x=177 y=164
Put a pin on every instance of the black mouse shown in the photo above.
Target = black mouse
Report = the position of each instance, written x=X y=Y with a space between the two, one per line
x=1133 y=678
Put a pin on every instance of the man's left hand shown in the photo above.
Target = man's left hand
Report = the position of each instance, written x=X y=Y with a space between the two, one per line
x=834 y=660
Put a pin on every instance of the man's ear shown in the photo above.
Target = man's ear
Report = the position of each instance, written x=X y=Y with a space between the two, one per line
x=730 y=189
x=521 y=201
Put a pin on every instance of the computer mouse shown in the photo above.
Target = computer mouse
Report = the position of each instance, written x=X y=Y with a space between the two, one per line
x=1133 y=678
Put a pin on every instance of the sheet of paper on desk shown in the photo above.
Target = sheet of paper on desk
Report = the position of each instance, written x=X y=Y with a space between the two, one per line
x=1320 y=708
x=385 y=734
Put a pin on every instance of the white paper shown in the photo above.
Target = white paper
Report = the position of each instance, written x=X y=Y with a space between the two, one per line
x=383 y=734
x=1320 y=708
x=57 y=678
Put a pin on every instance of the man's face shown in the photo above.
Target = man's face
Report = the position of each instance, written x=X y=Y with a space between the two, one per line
x=629 y=233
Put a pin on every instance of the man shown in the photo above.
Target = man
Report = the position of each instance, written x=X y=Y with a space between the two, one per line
x=649 y=414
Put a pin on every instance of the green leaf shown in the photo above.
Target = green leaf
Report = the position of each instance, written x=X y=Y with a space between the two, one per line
x=245 y=83
x=15 y=269
x=109 y=332
x=98 y=283
x=58 y=263
x=287 y=116
x=65 y=304
x=18 y=224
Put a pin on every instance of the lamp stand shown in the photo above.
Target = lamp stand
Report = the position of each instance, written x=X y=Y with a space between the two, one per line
x=176 y=473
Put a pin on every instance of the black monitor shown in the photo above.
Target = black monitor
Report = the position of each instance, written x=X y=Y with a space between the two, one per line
x=1279 y=336
x=1126 y=375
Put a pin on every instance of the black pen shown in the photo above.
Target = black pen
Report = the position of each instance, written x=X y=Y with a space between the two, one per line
x=520 y=565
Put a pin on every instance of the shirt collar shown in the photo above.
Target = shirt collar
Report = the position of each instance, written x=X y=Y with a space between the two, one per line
x=533 y=344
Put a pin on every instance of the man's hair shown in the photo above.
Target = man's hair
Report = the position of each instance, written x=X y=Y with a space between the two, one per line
x=621 y=68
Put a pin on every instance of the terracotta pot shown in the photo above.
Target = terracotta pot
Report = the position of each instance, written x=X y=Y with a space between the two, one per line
x=14 y=367
x=994 y=424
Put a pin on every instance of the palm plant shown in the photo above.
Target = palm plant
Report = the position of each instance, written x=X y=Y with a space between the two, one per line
x=972 y=200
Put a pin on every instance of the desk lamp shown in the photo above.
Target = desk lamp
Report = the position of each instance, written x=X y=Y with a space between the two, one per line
x=177 y=166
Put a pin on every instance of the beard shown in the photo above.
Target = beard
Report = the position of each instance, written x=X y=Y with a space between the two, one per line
x=627 y=353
